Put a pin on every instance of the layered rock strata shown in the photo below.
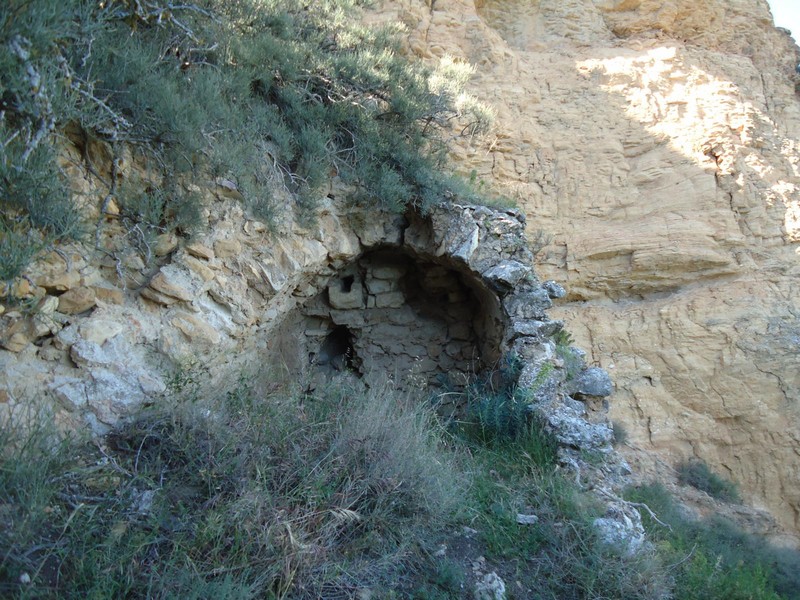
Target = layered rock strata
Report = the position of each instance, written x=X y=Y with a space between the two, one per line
x=654 y=146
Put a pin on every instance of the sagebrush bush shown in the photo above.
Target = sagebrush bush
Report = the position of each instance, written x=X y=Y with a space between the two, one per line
x=699 y=475
x=265 y=93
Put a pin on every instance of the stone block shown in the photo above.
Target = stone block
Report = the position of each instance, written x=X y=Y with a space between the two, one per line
x=46 y=320
x=200 y=250
x=196 y=329
x=199 y=267
x=529 y=305
x=166 y=243
x=158 y=297
x=381 y=286
x=387 y=271
x=506 y=274
x=346 y=293
x=171 y=281
x=109 y=295
x=594 y=381
x=404 y=316
x=351 y=318
x=467 y=244
x=554 y=290
x=58 y=280
x=77 y=300
x=459 y=331
x=21 y=288
x=99 y=330
x=227 y=248
x=16 y=342
x=228 y=189
x=535 y=328
x=390 y=300
x=47 y=306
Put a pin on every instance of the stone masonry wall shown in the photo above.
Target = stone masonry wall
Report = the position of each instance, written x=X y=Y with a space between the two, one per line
x=441 y=295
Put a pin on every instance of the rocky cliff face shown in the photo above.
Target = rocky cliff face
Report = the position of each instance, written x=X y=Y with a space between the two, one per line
x=653 y=147
x=656 y=147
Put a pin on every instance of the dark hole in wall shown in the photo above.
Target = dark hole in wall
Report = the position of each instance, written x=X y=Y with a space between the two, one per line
x=347 y=283
x=337 y=350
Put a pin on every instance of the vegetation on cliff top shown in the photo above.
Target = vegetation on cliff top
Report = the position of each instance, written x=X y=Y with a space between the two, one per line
x=267 y=94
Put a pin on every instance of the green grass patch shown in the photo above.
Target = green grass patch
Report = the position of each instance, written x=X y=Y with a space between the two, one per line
x=561 y=555
x=714 y=559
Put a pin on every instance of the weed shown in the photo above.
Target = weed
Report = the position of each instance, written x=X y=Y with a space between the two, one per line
x=571 y=358
x=234 y=497
x=697 y=474
x=539 y=241
x=563 y=338
x=713 y=558
x=620 y=434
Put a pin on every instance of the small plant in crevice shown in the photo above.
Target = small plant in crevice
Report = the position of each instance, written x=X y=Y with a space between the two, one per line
x=619 y=433
x=496 y=407
x=571 y=359
x=563 y=338
x=499 y=413
x=699 y=475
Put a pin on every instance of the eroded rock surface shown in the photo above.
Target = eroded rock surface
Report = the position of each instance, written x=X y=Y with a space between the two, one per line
x=657 y=143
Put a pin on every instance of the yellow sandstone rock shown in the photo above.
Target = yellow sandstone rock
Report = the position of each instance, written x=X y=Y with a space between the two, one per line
x=658 y=143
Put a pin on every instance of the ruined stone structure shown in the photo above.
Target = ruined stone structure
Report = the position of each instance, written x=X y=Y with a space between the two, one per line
x=426 y=301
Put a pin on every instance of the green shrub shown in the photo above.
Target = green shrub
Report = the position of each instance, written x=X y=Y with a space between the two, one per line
x=697 y=474
x=267 y=93
x=620 y=433
x=714 y=559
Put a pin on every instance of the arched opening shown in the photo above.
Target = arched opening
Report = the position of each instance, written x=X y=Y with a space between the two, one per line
x=420 y=320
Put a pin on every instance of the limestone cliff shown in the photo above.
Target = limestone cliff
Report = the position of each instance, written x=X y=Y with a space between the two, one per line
x=656 y=146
